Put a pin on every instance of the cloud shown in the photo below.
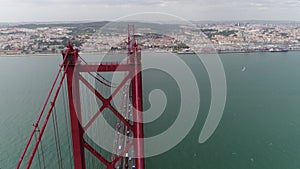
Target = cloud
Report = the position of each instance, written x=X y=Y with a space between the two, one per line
x=100 y=2
x=254 y=3
x=224 y=3
x=112 y=9
x=88 y=2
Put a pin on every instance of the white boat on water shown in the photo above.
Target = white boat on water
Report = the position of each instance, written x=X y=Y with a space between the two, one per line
x=278 y=50
x=186 y=51
x=243 y=68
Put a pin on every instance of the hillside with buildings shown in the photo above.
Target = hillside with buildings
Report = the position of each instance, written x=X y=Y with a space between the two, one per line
x=98 y=37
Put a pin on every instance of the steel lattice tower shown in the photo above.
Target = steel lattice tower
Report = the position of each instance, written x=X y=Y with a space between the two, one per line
x=133 y=67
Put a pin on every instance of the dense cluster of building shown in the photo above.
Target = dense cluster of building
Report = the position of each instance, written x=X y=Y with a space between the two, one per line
x=254 y=37
x=230 y=37
x=16 y=40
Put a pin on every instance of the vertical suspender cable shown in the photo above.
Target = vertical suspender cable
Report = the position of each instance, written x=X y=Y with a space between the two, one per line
x=42 y=151
x=56 y=136
x=39 y=119
x=38 y=152
x=41 y=162
x=66 y=121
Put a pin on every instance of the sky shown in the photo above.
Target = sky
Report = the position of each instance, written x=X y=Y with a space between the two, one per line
x=195 y=10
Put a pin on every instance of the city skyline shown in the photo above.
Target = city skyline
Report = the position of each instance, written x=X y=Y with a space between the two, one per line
x=193 y=10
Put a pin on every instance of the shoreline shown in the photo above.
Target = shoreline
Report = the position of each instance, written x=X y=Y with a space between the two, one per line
x=228 y=52
x=101 y=53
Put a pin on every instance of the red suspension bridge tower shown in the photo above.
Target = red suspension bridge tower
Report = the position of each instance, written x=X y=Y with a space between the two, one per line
x=71 y=67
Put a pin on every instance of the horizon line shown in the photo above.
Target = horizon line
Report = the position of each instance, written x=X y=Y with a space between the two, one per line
x=192 y=21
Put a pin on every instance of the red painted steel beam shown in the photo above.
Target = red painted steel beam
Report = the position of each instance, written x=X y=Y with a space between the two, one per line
x=105 y=104
x=93 y=118
x=121 y=117
x=97 y=155
x=137 y=112
x=120 y=86
x=93 y=90
x=76 y=128
x=103 y=67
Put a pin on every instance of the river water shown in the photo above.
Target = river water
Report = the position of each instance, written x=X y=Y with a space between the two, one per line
x=260 y=127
